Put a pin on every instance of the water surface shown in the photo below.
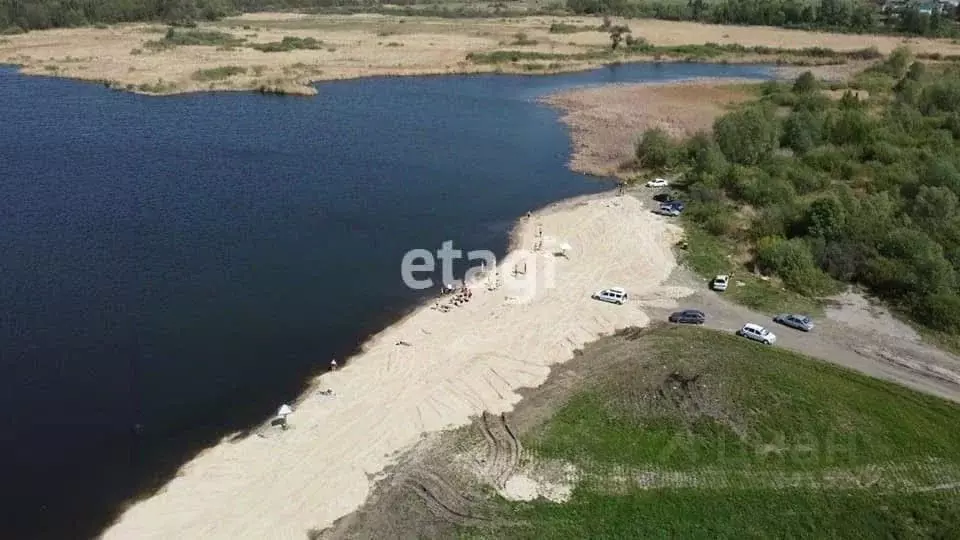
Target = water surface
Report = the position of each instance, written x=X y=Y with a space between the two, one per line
x=171 y=269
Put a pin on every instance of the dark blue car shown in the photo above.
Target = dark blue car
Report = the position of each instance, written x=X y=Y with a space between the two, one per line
x=675 y=204
x=688 y=316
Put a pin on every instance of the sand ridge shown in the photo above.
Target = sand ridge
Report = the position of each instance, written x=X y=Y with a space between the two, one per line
x=458 y=363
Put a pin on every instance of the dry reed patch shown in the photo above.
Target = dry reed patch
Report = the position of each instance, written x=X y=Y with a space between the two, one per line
x=363 y=45
x=606 y=121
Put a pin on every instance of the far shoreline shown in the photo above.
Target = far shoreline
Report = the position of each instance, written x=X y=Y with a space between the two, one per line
x=280 y=53
x=309 y=89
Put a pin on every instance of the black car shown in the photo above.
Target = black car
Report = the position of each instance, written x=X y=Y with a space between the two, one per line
x=664 y=197
x=688 y=316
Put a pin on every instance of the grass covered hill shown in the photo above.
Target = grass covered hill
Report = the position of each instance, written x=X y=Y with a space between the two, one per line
x=731 y=439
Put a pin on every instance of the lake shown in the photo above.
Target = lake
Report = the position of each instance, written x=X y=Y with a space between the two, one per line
x=173 y=268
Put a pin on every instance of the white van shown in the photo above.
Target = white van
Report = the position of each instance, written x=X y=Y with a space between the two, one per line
x=614 y=295
x=757 y=333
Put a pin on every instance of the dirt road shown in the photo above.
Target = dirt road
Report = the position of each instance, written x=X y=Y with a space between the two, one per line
x=866 y=340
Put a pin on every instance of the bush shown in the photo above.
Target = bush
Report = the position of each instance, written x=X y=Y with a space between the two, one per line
x=656 y=150
x=806 y=83
x=747 y=136
x=802 y=131
x=174 y=38
x=289 y=43
x=792 y=261
x=218 y=73
x=939 y=311
x=705 y=155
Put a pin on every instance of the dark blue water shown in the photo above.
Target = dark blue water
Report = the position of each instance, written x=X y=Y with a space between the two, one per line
x=183 y=264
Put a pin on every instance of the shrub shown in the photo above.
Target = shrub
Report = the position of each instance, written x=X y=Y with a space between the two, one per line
x=802 y=131
x=747 y=136
x=705 y=155
x=175 y=37
x=940 y=311
x=289 y=43
x=655 y=150
x=806 y=83
x=218 y=73
x=521 y=39
x=793 y=262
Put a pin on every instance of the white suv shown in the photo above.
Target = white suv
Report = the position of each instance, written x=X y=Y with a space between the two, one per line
x=659 y=182
x=757 y=333
x=720 y=283
x=614 y=295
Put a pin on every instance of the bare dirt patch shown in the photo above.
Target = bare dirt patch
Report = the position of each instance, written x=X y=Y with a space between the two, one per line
x=606 y=121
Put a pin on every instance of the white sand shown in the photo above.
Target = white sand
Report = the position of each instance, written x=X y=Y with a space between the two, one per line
x=459 y=363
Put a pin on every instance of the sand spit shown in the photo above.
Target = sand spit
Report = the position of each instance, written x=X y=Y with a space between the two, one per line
x=606 y=121
x=433 y=370
x=131 y=56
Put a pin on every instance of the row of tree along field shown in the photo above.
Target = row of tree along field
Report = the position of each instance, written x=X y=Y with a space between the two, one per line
x=827 y=187
x=838 y=15
x=859 y=16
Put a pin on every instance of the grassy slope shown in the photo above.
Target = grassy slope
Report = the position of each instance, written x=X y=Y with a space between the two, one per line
x=765 y=443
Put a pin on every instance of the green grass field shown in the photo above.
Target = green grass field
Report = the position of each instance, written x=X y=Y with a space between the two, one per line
x=729 y=439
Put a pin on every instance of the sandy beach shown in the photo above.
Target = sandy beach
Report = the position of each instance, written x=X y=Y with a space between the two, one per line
x=432 y=371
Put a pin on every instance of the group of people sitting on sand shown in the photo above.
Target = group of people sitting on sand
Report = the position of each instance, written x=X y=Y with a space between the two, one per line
x=460 y=296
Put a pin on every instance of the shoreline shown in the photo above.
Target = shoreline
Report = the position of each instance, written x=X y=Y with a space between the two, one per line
x=309 y=88
x=202 y=498
x=252 y=52
x=142 y=516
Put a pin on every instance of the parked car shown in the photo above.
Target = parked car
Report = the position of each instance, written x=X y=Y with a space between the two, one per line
x=720 y=283
x=757 y=333
x=688 y=316
x=800 y=322
x=659 y=182
x=614 y=295
x=666 y=210
x=664 y=197
x=675 y=204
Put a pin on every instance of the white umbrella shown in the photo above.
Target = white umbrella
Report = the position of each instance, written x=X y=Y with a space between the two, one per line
x=565 y=247
x=284 y=410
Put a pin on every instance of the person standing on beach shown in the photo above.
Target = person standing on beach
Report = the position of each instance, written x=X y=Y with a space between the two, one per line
x=333 y=364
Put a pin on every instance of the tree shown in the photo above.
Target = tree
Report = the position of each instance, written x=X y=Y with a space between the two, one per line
x=802 y=131
x=940 y=311
x=792 y=261
x=826 y=218
x=917 y=71
x=655 y=149
x=617 y=34
x=697 y=8
x=899 y=60
x=933 y=207
x=747 y=136
x=806 y=83
x=706 y=156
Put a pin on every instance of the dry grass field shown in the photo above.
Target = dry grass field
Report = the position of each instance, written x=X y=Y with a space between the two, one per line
x=227 y=55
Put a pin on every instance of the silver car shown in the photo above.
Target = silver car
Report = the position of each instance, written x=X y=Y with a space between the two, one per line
x=800 y=322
